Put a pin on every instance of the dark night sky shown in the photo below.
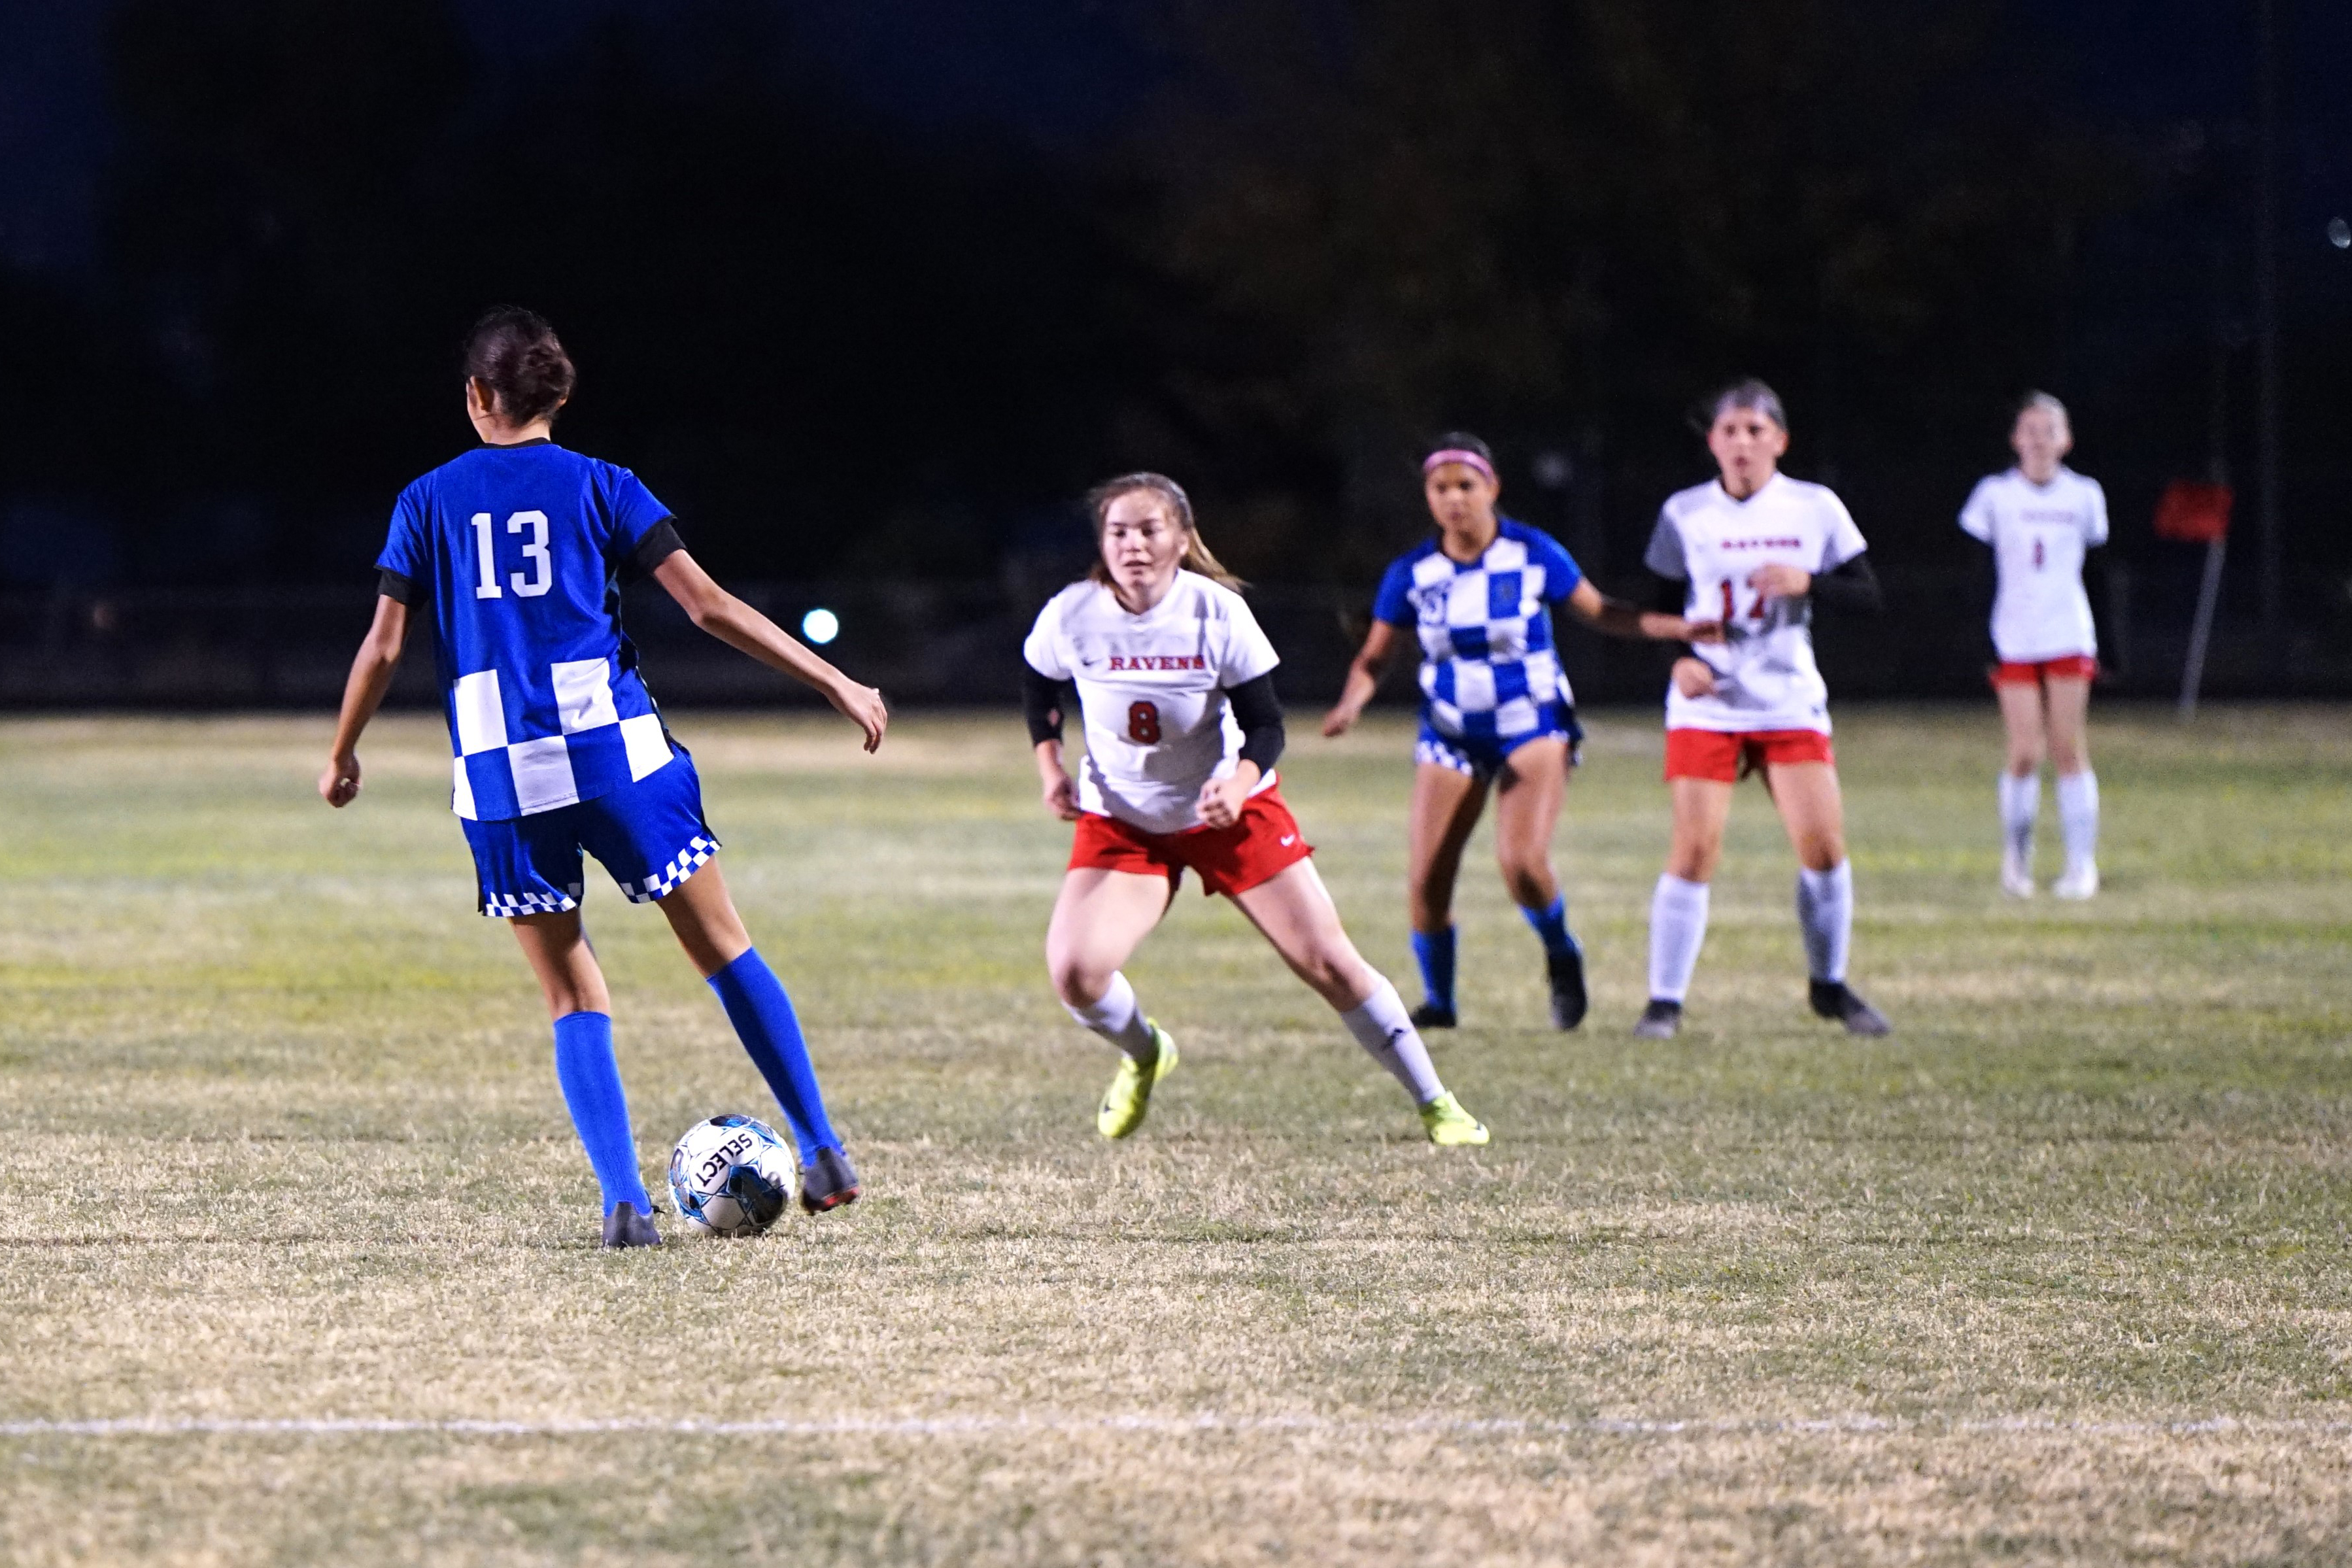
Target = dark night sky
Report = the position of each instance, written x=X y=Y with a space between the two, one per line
x=1022 y=119
x=1062 y=74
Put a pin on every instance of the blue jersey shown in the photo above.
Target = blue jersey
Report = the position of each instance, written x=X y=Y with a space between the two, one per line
x=520 y=550
x=1488 y=664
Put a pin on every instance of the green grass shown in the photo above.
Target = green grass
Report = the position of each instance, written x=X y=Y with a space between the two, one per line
x=2056 y=1274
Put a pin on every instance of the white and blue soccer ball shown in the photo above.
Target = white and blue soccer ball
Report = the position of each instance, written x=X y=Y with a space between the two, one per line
x=732 y=1175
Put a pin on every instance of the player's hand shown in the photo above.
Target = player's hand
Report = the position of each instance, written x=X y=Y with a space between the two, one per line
x=1221 y=799
x=339 y=785
x=1702 y=631
x=1780 y=581
x=861 y=706
x=1694 y=678
x=1340 y=720
x=1062 y=796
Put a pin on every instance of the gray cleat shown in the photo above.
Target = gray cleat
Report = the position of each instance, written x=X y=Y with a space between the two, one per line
x=1834 y=999
x=1660 y=1021
x=624 y=1227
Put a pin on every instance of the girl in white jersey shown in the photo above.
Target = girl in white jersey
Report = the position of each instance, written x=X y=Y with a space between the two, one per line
x=1757 y=550
x=1175 y=688
x=2042 y=518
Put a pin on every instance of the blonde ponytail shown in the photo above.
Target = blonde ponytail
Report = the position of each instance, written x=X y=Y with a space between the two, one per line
x=1198 y=557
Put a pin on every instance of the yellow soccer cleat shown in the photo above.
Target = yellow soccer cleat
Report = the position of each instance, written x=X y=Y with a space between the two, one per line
x=1451 y=1127
x=1129 y=1094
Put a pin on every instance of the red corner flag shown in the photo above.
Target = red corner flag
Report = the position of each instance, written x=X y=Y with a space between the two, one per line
x=2194 y=513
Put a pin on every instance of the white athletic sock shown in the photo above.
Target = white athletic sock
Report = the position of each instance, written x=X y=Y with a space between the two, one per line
x=1117 y=1019
x=2078 y=815
x=1826 y=914
x=1677 y=927
x=2020 y=805
x=1385 y=1030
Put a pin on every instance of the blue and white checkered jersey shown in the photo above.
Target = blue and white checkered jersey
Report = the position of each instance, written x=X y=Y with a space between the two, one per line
x=1487 y=663
x=520 y=549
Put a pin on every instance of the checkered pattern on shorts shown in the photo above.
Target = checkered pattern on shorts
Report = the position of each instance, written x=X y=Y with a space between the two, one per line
x=684 y=864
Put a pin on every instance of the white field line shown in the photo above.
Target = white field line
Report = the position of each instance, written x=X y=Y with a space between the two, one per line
x=1009 y=1425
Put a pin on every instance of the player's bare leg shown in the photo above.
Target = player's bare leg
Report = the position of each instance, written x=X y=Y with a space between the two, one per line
x=1294 y=910
x=1447 y=802
x=2069 y=704
x=702 y=916
x=556 y=945
x=1678 y=907
x=2021 y=783
x=1527 y=795
x=1813 y=810
x=1099 y=918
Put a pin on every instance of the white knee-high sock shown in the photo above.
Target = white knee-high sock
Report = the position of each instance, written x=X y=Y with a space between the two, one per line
x=1677 y=929
x=2020 y=804
x=1117 y=1018
x=1385 y=1030
x=2078 y=815
x=1825 y=912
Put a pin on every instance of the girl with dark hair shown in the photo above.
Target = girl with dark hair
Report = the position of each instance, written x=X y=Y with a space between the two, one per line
x=1496 y=710
x=1175 y=686
x=1760 y=550
x=519 y=547
x=2040 y=519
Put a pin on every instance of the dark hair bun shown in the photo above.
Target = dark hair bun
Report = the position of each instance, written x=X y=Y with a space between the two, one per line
x=518 y=356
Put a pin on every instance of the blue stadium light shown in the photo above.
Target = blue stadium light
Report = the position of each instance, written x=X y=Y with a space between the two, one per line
x=820 y=625
x=2339 y=234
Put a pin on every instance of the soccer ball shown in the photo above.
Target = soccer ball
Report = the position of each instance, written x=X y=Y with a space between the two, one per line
x=731 y=1177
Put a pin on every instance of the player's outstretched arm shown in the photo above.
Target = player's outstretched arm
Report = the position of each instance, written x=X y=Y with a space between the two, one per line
x=371 y=678
x=1617 y=618
x=1363 y=678
x=745 y=630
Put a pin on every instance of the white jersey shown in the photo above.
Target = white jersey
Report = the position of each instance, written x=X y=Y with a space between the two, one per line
x=1764 y=677
x=2039 y=535
x=1151 y=690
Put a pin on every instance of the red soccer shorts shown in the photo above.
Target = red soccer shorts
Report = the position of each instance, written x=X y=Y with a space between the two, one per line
x=2067 y=667
x=1728 y=758
x=1264 y=844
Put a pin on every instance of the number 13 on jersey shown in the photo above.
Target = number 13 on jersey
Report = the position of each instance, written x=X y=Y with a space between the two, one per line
x=534 y=550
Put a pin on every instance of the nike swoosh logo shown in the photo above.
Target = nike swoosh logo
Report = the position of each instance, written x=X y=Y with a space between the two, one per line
x=1288 y=839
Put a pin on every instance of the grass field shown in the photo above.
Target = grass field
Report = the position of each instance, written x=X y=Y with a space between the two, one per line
x=296 y=1260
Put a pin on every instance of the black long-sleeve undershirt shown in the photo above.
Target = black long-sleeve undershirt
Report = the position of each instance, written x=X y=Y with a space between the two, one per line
x=1255 y=708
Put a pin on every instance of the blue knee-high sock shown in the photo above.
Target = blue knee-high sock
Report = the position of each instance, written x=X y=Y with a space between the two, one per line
x=592 y=1088
x=763 y=1019
x=1433 y=950
x=1551 y=925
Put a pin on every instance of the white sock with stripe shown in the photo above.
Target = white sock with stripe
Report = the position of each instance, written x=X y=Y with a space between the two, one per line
x=1116 y=1017
x=1826 y=914
x=1385 y=1030
x=2020 y=806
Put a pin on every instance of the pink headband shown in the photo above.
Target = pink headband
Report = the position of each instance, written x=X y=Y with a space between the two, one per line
x=1456 y=455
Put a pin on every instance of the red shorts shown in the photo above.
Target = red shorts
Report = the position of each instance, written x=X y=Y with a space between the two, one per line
x=2066 y=666
x=1729 y=757
x=1264 y=844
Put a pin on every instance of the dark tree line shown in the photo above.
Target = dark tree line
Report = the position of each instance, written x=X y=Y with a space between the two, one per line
x=838 y=347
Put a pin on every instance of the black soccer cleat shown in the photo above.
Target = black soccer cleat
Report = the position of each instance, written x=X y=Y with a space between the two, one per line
x=1568 y=999
x=828 y=1181
x=1834 y=999
x=624 y=1227
x=1661 y=1020
x=1430 y=1015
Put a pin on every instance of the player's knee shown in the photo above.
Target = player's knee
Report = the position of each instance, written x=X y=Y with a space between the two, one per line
x=2068 y=756
x=1076 y=981
x=1822 y=851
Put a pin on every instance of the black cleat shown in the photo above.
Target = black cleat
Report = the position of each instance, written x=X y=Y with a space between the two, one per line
x=624 y=1227
x=1430 y=1015
x=828 y=1181
x=1568 y=1000
x=1660 y=1021
x=1833 y=999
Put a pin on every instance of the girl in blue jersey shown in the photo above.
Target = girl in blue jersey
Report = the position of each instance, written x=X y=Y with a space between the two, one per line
x=519 y=545
x=1496 y=708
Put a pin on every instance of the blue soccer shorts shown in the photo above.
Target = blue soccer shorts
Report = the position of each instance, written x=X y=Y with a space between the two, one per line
x=649 y=835
x=1482 y=756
